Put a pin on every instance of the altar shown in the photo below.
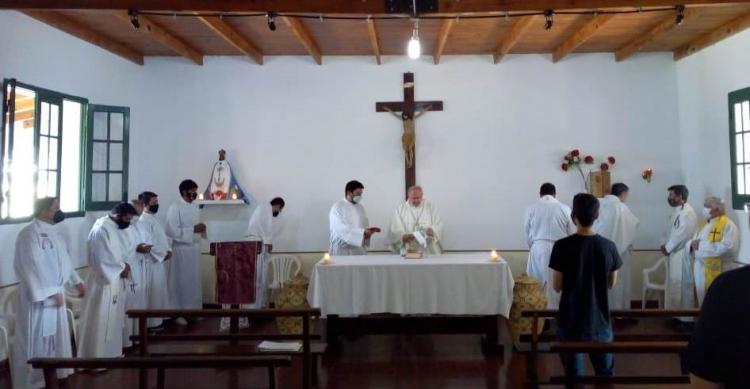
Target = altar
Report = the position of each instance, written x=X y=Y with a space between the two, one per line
x=452 y=293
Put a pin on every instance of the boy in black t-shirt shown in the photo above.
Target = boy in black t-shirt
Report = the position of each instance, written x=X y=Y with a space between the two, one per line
x=585 y=267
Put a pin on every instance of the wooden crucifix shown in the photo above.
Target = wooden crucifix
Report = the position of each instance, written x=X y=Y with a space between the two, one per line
x=409 y=110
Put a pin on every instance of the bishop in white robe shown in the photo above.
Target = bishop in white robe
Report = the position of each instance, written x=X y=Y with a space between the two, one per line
x=157 y=293
x=715 y=249
x=185 y=230
x=110 y=249
x=416 y=216
x=43 y=268
x=350 y=229
x=683 y=224
x=617 y=223
x=545 y=222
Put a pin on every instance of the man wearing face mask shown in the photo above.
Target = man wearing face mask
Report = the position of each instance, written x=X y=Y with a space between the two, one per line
x=157 y=294
x=350 y=230
x=110 y=249
x=43 y=268
x=135 y=290
x=683 y=225
x=185 y=230
x=715 y=248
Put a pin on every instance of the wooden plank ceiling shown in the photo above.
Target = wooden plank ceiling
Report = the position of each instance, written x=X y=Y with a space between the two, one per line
x=193 y=37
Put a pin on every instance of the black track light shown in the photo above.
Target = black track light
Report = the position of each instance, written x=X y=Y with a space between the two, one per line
x=680 y=15
x=548 y=14
x=134 y=19
x=271 y=21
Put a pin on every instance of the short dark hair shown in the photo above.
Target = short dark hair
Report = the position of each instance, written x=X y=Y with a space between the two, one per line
x=547 y=189
x=278 y=201
x=123 y=209
x=585 y=209
x=618 y=189
x=680 y=190
x=146 y=197
x=187 y=185
x=353 y=185
x=43 y=204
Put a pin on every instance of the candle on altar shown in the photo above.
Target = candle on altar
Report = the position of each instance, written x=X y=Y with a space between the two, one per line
x=494 y=256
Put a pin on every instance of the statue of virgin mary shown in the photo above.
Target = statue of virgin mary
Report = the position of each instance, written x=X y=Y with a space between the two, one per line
x=223 y=185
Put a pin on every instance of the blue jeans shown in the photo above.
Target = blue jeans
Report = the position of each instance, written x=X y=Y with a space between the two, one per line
x=603 y=363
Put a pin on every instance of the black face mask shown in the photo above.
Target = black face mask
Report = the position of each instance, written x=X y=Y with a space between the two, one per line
x=58 y=217
x=193 y=195
x=153 y=208
x=276 y=213
x=121 y=224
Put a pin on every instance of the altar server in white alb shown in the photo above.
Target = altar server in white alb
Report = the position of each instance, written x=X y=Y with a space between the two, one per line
x=349 y=227
x=262 y=229
x=110 y=250
x=416 y=225
x=136 y=284
x=545 y=222
x=683 y=223
x=185 y=230
x=157 y=293
x=43 y=267
x=617 y=223
x=714 y=249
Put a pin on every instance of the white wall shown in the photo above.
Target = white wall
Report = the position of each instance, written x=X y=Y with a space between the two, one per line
x=299 y=130
x=41 y=56
x=704 y=81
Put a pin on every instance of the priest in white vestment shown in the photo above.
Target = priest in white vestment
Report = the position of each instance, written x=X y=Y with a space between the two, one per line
x=136 y=284
x=545 y=222
x=157 y=293
x=43 y=268
x=617 y=223
x=349 y=228
x=416 y=225
x=185 y=230
x=683 y=224
x=261 y=228
x=110 y=249
x=715 y=248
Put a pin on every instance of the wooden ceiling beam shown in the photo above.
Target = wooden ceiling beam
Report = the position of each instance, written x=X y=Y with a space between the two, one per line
x=233 y=37
x=512 y=37
x=665 y=26
x=374 y=42
x=720 y=33
x=580 y=36
x=164 y=37
x=80 y=31
x=304 y=37
x=442 y=39
x=339 y=6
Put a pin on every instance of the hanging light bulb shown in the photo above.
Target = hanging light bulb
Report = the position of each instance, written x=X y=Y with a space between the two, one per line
x=414 y=49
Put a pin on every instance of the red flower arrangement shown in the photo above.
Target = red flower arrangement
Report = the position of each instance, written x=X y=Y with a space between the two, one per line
x=573 y=160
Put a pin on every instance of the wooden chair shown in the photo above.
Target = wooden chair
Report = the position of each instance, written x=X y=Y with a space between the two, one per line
x=310 y=352
x=50 y=365
x=668 y=343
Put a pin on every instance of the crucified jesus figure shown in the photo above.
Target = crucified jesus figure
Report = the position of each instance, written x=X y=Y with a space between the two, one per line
x=409 y=136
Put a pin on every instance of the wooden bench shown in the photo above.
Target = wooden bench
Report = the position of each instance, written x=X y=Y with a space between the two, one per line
x=49 y=366
x=667 y=343
x=310 y=351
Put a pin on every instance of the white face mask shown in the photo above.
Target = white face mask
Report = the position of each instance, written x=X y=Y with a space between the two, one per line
x=706 y=213
x=356 y=199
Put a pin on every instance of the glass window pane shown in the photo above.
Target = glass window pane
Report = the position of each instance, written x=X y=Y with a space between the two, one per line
x=44 y=123
x=741 y=180
x=99 y=187
x=52 y=184
x=54 y=119
x=738 y=117
x=99 y=159
x=746 y=116
x=115 y=156
x=43 y=152
x=100 y=125
x=53 y=144
x=747 y=182
x=746 y=146
x=116 y=124
x=70 y=183
x=115 y=187
x=22 y=160
x=41 y=189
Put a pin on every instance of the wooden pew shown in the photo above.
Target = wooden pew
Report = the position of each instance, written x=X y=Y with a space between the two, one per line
x=668 y=343
x=309 y=353
x=50 y=365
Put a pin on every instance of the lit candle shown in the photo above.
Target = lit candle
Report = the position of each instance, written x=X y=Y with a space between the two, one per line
x=494 y=256
x=326 y=258
x=200 y=196
x=234 y=196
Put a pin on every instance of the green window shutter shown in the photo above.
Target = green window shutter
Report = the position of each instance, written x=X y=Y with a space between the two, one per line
x=107 y=156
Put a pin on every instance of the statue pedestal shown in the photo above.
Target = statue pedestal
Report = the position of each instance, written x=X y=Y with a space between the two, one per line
x=219 y=202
